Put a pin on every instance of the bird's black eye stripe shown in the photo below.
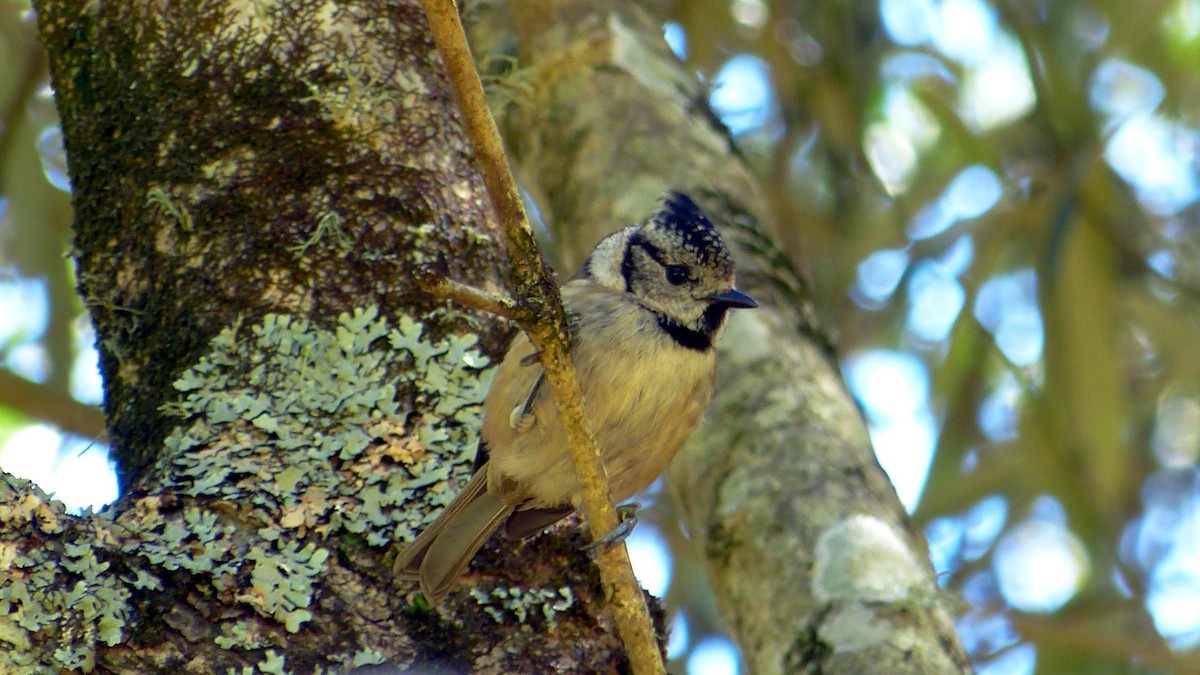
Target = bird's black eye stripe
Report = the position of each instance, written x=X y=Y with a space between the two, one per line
x=676 y=274
x=651 y=250
x=639 y=240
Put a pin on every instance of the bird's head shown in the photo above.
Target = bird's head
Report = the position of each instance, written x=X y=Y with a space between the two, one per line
x=676 y=265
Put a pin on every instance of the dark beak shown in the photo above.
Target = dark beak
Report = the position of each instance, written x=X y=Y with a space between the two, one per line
x=734 y=298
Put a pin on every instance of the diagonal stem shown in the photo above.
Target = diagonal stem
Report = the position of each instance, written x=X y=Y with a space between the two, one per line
x=542 y=317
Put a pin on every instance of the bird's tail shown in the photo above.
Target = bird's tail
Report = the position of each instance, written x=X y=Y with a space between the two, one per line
x=439 y=555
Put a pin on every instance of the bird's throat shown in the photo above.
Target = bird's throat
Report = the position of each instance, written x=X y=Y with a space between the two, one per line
x=699 y=338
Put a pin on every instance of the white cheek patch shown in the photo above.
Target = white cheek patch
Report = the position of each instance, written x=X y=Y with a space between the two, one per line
x=604 y=264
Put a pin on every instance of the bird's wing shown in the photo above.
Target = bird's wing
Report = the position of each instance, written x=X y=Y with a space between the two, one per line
x=522 y=524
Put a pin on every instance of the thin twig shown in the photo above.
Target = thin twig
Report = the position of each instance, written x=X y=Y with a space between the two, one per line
x=545 y=324
x=469 y=296
x=41 y=402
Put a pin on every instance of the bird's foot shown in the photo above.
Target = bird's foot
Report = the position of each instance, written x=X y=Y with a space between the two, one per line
x=628 y=515
x=521 y=419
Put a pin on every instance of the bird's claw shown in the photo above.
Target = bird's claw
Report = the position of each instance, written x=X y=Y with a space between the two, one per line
x=521 y=419
x=629 y=520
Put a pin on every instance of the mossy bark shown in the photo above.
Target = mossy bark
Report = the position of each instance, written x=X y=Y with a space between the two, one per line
x=231 y=160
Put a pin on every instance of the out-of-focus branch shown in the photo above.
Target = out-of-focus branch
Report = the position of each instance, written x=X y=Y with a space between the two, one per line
x=541 y=315
x=31 y=75
x=50 y=405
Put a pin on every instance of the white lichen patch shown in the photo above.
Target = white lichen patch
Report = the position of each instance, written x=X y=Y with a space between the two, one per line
x=861 y=558
x=853 y=627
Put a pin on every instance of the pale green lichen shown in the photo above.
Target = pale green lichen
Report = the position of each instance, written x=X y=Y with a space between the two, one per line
x=196 y=543
x=240 y=634
x=26 y=505
x=272 y=663
x=58 y=588
x=302 y=425
x=283 y=584
x=300 y=419
x=505 y=602
x=143 y=580
x=367 y=657
x=14 y=636
x=329 y=223
x=158 y=198
x=355 y=100
x=306 y=423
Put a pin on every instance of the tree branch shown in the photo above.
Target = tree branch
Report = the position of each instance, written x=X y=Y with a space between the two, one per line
x=543 y=320
x=469 y=296
x=47 y=404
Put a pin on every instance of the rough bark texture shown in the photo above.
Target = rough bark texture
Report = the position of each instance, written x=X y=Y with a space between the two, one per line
x=813 y=559
x=229 y=160
x=254 y=184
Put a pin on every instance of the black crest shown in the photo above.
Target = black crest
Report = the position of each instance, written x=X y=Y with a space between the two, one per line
x=696 y=232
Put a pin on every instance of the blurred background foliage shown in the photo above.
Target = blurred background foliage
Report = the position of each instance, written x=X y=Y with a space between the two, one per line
x=997 y=203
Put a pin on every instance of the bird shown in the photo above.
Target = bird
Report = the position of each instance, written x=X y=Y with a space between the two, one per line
x=644 y=311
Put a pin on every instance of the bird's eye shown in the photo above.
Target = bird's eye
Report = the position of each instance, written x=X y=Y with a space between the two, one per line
x=677 y=274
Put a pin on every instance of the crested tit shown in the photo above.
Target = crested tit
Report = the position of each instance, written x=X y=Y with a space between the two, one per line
x=645 y=309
